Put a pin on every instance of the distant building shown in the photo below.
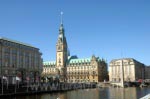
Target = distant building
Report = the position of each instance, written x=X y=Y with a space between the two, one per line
x=72 y=69
x=19 y=60
x=78 y=70
x=133 y=70
x=147 y=72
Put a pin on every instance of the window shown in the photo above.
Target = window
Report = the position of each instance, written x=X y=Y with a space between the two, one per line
x=14 y=51
x=93 y=77
x=6 y=71
x=7 y=50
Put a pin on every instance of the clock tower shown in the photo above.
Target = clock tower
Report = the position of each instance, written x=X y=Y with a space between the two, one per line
x=61 y=54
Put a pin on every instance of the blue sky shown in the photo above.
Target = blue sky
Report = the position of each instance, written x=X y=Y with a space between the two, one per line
x=109 y=29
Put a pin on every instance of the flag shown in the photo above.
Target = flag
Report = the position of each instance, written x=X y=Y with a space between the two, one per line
x=37 y=78
x=46 y=79
x=27 y=78
x=5 y=78
x=17 y=78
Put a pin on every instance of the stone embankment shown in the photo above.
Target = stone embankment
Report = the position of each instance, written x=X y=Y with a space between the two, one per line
x=12 y=90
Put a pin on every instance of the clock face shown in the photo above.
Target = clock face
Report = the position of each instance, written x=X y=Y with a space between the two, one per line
x=60 y=36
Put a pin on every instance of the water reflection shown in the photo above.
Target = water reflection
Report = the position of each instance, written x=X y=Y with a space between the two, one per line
x=102 y=93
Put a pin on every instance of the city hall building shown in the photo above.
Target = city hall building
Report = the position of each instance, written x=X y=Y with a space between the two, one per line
x=19 y=60
x=71 y=68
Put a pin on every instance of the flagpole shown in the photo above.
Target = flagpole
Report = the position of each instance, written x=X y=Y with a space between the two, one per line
x=61 y=17
x=15 y=84
x=7 y=82
x=2 y=84
x=18 y=83
x=27 y=85
x=122 y=74
x=27 y=79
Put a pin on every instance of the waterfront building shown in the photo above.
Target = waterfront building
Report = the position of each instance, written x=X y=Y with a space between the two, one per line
x=19 y=61
x=71 y=68
x=147 y=72
x=132 y=69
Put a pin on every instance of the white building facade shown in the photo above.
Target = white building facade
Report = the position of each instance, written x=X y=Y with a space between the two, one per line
x=132 y=70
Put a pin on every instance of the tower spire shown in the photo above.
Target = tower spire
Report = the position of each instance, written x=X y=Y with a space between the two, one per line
x=61 y=29
x=61 y=13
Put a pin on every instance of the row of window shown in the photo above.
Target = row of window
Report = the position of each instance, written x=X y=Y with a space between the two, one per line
x=80 y=77
x=83 y=78
x=119 y=79
x=75 y=80
x=124 y=63
x=69 y=72
x=80 y=64
x=81 y=67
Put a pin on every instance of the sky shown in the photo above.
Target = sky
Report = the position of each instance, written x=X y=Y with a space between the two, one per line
x=109 y=29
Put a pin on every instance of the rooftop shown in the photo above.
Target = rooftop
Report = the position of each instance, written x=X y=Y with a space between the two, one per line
x=14 y=41
x=131 y=59
x=73 y=59
x=78 y=60
x=49 y=63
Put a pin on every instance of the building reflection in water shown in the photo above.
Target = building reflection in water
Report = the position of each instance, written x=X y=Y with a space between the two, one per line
x=101 y=93
x=123 y=93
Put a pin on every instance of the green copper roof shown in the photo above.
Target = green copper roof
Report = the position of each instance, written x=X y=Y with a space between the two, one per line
x=49 y=63
x=72 y=60
x=72 y=57
x=79 y=60
x=3 y=38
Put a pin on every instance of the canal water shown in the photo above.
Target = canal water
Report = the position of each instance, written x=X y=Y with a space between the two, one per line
x=101 y=93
